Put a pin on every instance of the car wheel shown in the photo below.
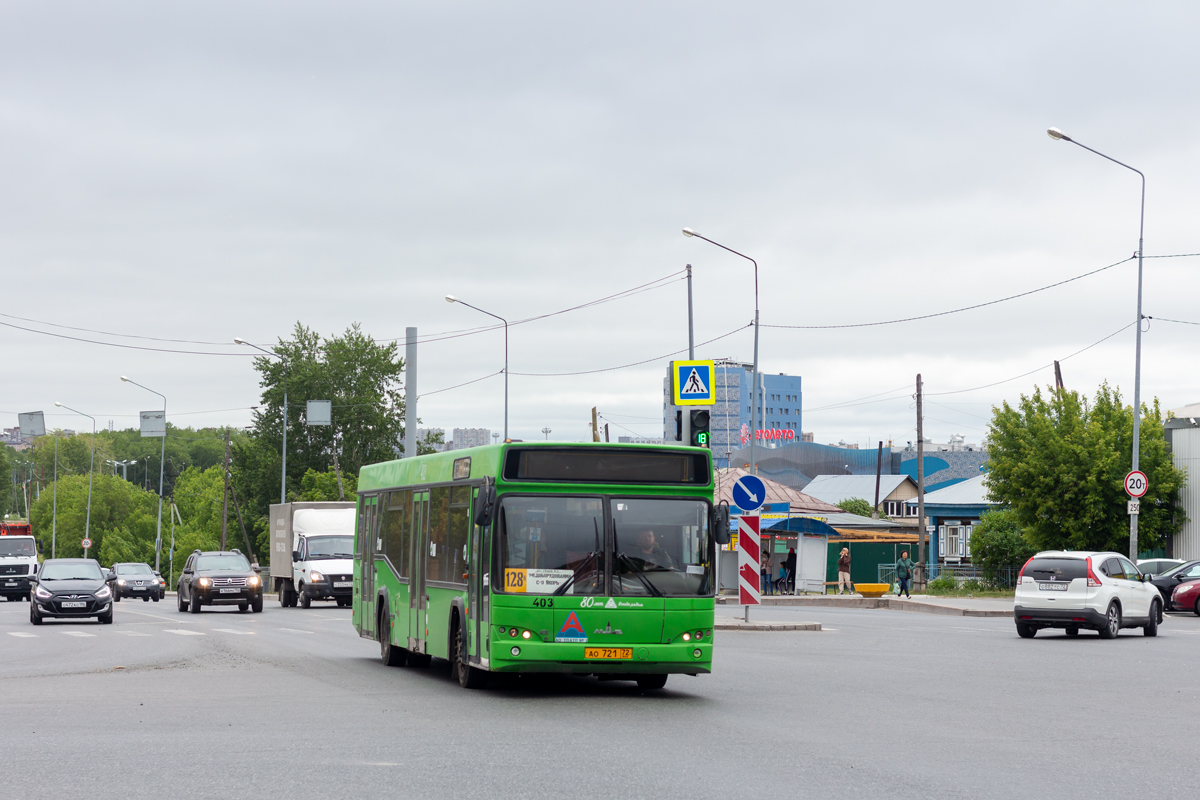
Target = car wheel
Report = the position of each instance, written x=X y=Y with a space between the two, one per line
x=1112 y=622
x=1072 y=631
x=243 y=608
x=155 y=598
x=146 y=599
x=651 y=682
x=1197 y=608
x=194 y=605
x=1151 y=627
x=256 y=604
x=116 y=597
x=1026 y=631
x=181 y=602
x=390 y=654
x=468 y=677
x=305 y=600
x=106 y=619
x=34 y=616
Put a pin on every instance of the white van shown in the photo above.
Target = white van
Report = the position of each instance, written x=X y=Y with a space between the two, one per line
x=18 y=565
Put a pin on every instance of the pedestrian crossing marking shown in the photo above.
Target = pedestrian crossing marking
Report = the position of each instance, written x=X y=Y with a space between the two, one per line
x=182 y=632
x=76 y=633
x=293 y=630
x=132 y=633
x=234 y=630
x=23 y=635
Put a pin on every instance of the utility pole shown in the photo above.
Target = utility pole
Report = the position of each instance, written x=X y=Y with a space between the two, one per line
x=686 y=414
x=410 y=392
x=337 y=470
x=595 y=426
x=921 y=533
x=878 y=471
x=225 y=496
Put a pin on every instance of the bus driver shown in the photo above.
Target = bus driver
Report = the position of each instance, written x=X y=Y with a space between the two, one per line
x=647 y=550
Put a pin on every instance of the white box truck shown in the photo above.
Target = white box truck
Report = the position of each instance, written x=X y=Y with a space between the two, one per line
x=312 y=552
x=18 y=560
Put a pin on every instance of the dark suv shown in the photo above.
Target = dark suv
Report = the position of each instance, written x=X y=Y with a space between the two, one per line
x=70 y=587
x=219 y=578
x=135 y=580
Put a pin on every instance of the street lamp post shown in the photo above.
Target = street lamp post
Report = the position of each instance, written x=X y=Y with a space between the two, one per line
x=87 y=525
x=452 y=299
x=283 y=472
x=162 y=453
x=1057 y=135
x=754 y=391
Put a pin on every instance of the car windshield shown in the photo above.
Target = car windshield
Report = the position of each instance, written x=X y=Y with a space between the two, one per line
x=16 y=547
x=133 y=569
x=1179 y=568
x=65 y=571
x=226 y=561
x=661 y=547
x=329 y=547
x=548 y=544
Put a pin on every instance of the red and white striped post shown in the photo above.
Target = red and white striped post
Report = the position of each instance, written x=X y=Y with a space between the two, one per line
x=749 y=549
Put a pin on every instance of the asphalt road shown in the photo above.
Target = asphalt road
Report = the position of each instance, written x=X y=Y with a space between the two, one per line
x=880 y=704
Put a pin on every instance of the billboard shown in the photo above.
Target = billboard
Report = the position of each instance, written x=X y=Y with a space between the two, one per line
x=154 y=423
x=320 y=412
x=32 y=424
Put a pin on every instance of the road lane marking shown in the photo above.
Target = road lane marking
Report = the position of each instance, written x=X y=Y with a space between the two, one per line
x=23 y=635
x=132 y=633
x=293 y=630
x=234 y=630
x=159 y=617
x=182 y=632
x=76 y=633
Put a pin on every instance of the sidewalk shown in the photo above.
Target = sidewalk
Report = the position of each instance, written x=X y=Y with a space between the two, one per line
x=924 y=604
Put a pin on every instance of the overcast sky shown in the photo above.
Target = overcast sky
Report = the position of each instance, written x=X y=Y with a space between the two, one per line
x=200 y=171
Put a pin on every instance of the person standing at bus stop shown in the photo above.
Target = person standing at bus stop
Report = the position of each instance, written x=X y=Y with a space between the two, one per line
x=844 y=572
x=904 y=571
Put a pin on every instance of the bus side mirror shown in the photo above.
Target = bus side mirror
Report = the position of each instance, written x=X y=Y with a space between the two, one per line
x=485 y=504
x=720 y=524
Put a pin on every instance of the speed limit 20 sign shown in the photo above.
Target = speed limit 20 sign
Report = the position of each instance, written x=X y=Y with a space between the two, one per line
x=1136 y=483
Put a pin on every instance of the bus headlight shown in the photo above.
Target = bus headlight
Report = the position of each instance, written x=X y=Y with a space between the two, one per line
x=526 y=634
x=516 y=651
x=687 y=637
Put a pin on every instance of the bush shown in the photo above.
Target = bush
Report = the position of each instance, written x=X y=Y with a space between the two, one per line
x=856 y=505
x=942 y=584
x=973 y=585
x=998 y=544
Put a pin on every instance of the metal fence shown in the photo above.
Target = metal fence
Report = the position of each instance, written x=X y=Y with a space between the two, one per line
x=1003 y=578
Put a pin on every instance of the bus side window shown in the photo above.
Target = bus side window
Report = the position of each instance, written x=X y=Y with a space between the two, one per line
x=458 y=533
x=395 y=531
x=438 y=559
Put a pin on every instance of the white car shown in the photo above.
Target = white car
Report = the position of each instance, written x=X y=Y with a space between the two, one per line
x=1073 y=590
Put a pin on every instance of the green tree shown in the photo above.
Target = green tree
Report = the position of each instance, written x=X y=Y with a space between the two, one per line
x=323 y=486
x=1059 y=462
x=997 y=544
x=118 y=508
x=856 y=505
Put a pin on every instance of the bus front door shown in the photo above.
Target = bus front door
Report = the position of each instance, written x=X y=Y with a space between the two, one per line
x=477 y=593
x=418 y=600
x=366 y=552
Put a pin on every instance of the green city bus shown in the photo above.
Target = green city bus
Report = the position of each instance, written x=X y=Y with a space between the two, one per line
x=593 y=559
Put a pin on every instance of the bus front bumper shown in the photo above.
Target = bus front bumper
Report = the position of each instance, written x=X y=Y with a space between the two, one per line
x=532 y=656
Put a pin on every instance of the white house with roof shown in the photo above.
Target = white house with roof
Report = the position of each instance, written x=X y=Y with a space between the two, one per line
x=953 y=513
x=894 y=493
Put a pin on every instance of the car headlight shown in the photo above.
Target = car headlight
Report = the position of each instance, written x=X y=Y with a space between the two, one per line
x=120 y=581
x=103 y=592
x=316 y=576
x=42 y=594
x=203 y=583
x=252 y=581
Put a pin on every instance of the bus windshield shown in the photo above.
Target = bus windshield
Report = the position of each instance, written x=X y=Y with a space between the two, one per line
x=661 y=547
x=548 y=543
x=557 y=545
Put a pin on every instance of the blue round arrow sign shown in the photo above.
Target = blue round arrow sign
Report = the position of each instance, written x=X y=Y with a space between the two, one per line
x=749 y=493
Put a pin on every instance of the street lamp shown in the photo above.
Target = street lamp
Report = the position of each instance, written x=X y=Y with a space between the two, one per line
x=87 y=525
x=161 y=464
x=754 y=391
x=283 y=472
x=1057 y=135
x=452 y=299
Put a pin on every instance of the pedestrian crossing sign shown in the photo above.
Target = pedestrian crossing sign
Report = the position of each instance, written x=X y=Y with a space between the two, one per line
x=693 y=383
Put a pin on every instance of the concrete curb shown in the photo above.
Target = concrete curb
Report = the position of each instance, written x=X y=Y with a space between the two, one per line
x=891 y=603
x=739 y=625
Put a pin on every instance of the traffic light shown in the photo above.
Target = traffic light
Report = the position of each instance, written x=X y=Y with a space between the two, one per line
x=700 y=435
x=678 y=425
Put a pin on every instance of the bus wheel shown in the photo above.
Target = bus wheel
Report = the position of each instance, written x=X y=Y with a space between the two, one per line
x=650 y=682
x=468 y=677
x=391 y=655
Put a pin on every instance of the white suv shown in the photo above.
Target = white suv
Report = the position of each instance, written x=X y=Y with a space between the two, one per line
x=1100 y=591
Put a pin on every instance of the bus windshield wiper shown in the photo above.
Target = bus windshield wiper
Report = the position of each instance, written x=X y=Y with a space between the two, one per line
x=637 y=573
x=561 y=590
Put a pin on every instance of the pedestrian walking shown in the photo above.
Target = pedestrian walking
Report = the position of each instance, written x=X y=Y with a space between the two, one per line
x=790 y=564
x=904 y=571
x=844 y=572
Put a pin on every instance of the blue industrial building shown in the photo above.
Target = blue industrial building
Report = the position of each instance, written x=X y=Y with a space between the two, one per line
x=729 y=423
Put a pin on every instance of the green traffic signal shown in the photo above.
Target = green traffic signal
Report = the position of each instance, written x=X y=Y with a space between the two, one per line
x=700 y=423
x=702 y=438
